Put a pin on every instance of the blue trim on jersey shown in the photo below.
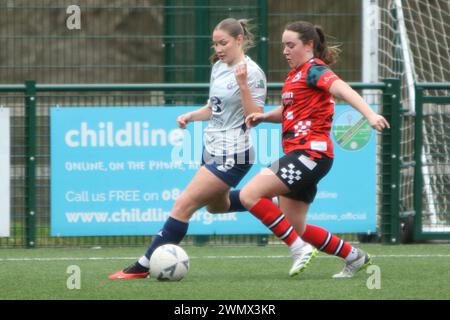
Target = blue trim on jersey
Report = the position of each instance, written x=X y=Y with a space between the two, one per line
x=314 y=73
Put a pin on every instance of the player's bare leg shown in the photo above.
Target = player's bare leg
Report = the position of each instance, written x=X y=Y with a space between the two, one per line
x=256 y=197
x=204 y=186
x=219 y=204
x=295 y=212
x=355 y=258
x=199 y=192
x=264 y=185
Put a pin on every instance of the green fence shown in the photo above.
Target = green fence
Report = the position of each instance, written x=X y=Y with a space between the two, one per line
x=157 y=41
x=432 y=162
x=29 y=106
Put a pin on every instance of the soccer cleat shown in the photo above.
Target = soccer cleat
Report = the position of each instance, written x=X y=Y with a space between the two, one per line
x=362 y=261
x=135 y=271
x=301 y=260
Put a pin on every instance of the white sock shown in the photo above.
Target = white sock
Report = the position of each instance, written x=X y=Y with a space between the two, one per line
x=275 y=201
x=143 y=261
x=353 y=254
x=296 y=246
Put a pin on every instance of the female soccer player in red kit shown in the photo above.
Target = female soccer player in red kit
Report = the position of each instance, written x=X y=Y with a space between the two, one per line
x=306 y=115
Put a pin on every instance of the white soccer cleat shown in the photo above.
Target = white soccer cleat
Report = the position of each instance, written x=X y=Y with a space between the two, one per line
x=301 y=260
x=351 y=268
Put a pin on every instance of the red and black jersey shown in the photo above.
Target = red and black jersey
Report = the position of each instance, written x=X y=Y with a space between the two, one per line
x=308 y=109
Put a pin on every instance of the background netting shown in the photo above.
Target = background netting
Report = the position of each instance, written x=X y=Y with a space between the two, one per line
x=419 y=32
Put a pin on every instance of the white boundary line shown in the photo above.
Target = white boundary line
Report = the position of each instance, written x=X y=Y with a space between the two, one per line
x=216 y=257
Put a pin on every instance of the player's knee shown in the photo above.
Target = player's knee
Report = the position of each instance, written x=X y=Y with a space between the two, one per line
x=248 y=198
x=183 y=208
x=215 y=209
x=219 y=205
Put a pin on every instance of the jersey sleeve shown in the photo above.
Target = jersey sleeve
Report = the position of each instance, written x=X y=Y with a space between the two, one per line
x=320 y=77
x=257 y=83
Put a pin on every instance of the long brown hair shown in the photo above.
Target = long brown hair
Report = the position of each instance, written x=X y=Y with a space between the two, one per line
x=307 y=31
x=235 y=28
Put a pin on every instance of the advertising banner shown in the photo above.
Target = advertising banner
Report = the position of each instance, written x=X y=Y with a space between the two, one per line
x=118 y=171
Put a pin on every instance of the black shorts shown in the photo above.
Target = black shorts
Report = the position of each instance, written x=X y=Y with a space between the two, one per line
x=301 y=173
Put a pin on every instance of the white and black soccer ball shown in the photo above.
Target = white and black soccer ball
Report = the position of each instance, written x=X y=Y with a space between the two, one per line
x=169 y=262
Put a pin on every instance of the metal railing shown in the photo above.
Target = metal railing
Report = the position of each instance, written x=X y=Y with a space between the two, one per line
x=432 y=162
x=30 y=196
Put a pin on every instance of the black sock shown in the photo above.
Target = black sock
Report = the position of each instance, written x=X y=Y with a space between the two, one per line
x=173 y=231
x=135 y=268
x=235 y=202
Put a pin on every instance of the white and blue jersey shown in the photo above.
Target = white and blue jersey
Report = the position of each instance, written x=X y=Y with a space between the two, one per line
x=226 y=133
x=228 y=151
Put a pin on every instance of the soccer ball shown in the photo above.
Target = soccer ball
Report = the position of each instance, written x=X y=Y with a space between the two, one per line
x=169 y=262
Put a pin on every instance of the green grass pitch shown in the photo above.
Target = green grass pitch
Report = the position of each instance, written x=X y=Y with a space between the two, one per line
x=247 y=272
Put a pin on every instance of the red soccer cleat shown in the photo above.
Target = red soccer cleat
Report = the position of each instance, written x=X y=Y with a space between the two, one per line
x=135 y=271
x=122 y=275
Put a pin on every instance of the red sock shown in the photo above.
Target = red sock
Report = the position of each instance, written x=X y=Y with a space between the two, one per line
x=325 y=241
x=274 y=219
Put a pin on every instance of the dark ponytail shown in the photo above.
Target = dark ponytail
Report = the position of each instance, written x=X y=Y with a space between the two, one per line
x=328 y=54
x=307 y=32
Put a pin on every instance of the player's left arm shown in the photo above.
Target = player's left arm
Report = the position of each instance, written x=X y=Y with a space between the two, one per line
x=342 y=90
x=248 y=103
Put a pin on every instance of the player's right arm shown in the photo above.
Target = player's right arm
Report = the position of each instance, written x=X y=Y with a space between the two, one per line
x=202 y=114
x=274 y=116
